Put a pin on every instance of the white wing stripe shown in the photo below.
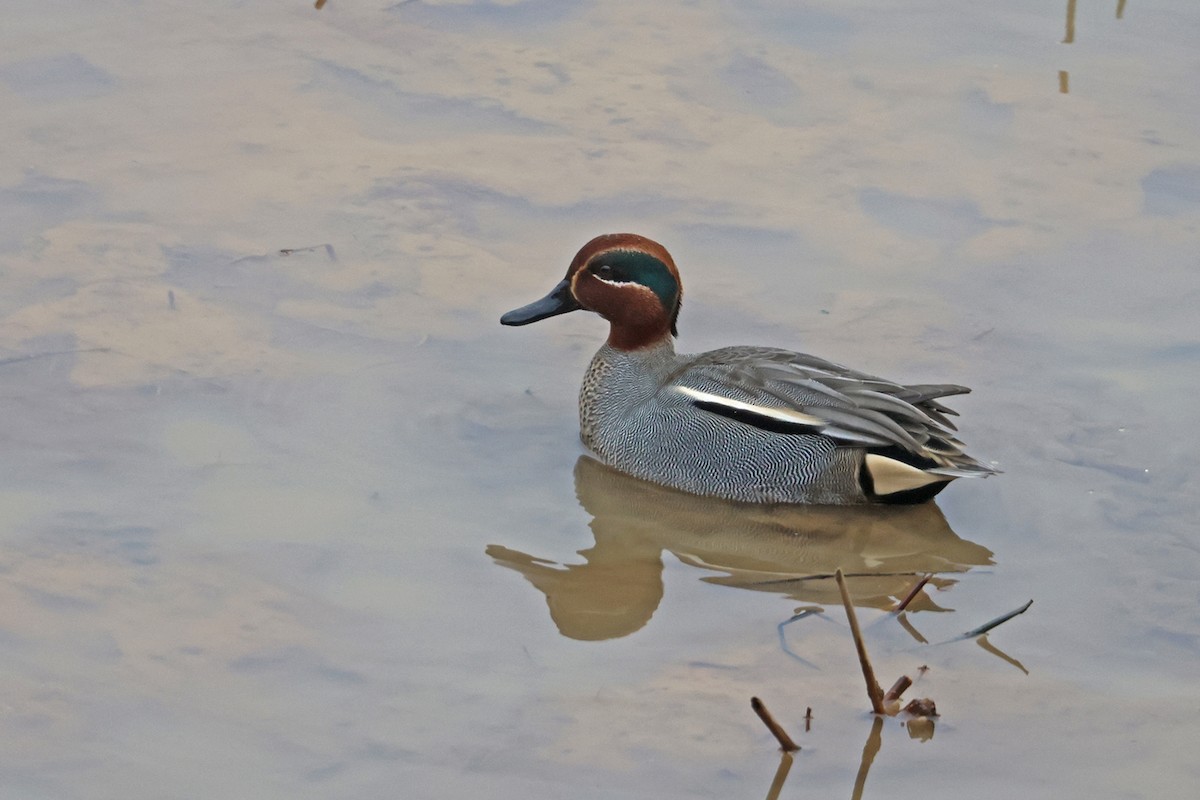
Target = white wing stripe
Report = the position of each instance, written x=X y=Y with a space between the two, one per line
x=781 y=414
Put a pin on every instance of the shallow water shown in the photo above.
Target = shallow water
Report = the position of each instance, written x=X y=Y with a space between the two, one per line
x=286 y=513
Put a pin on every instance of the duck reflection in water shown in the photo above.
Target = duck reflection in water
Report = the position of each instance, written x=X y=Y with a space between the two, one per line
x=786 y=549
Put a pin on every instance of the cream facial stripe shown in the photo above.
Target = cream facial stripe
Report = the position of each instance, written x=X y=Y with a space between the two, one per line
x=781 y=414
x=619 y=283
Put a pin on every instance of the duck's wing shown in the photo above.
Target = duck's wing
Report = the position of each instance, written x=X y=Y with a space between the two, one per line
x=793 y=393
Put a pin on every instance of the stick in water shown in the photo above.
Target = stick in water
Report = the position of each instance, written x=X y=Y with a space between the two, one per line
x=903 y=604
x=898 y=688
x=1000 y=620
x=874 y=692
x=785 y=741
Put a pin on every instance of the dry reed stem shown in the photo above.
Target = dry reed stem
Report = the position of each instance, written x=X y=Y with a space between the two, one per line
x=874 y=692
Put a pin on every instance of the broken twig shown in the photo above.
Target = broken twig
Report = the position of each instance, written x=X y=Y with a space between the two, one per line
x=908 y=598
x=785 y=742
x=1000 y=620
x=898 y=688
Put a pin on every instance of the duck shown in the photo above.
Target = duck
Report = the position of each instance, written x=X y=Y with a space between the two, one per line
x=747 y=424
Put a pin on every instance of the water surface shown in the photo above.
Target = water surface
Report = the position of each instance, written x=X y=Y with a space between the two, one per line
x=286 y=513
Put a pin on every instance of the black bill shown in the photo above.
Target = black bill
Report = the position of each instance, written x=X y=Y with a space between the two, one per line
x=559 y=301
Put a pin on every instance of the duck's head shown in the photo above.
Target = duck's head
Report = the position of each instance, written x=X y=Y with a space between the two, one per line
x=628 y=279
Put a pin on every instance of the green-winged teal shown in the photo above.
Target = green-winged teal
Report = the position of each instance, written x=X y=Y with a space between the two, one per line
x=754 y=424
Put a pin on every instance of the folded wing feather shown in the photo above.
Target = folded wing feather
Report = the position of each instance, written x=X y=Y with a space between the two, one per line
x=797 y=393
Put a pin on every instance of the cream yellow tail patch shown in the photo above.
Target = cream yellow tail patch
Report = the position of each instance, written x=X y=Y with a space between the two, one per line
x=889 y=476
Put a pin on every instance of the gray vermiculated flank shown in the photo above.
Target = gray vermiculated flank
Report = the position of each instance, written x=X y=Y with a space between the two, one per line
x=652 y=432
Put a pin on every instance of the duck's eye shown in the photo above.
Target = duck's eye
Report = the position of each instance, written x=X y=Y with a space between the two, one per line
x=604 y=270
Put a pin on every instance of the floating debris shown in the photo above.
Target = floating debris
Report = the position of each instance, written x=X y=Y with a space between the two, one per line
x=922 y=707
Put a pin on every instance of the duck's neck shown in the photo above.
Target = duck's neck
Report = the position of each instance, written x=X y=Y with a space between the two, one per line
x=662 y=349
x=650 y=336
